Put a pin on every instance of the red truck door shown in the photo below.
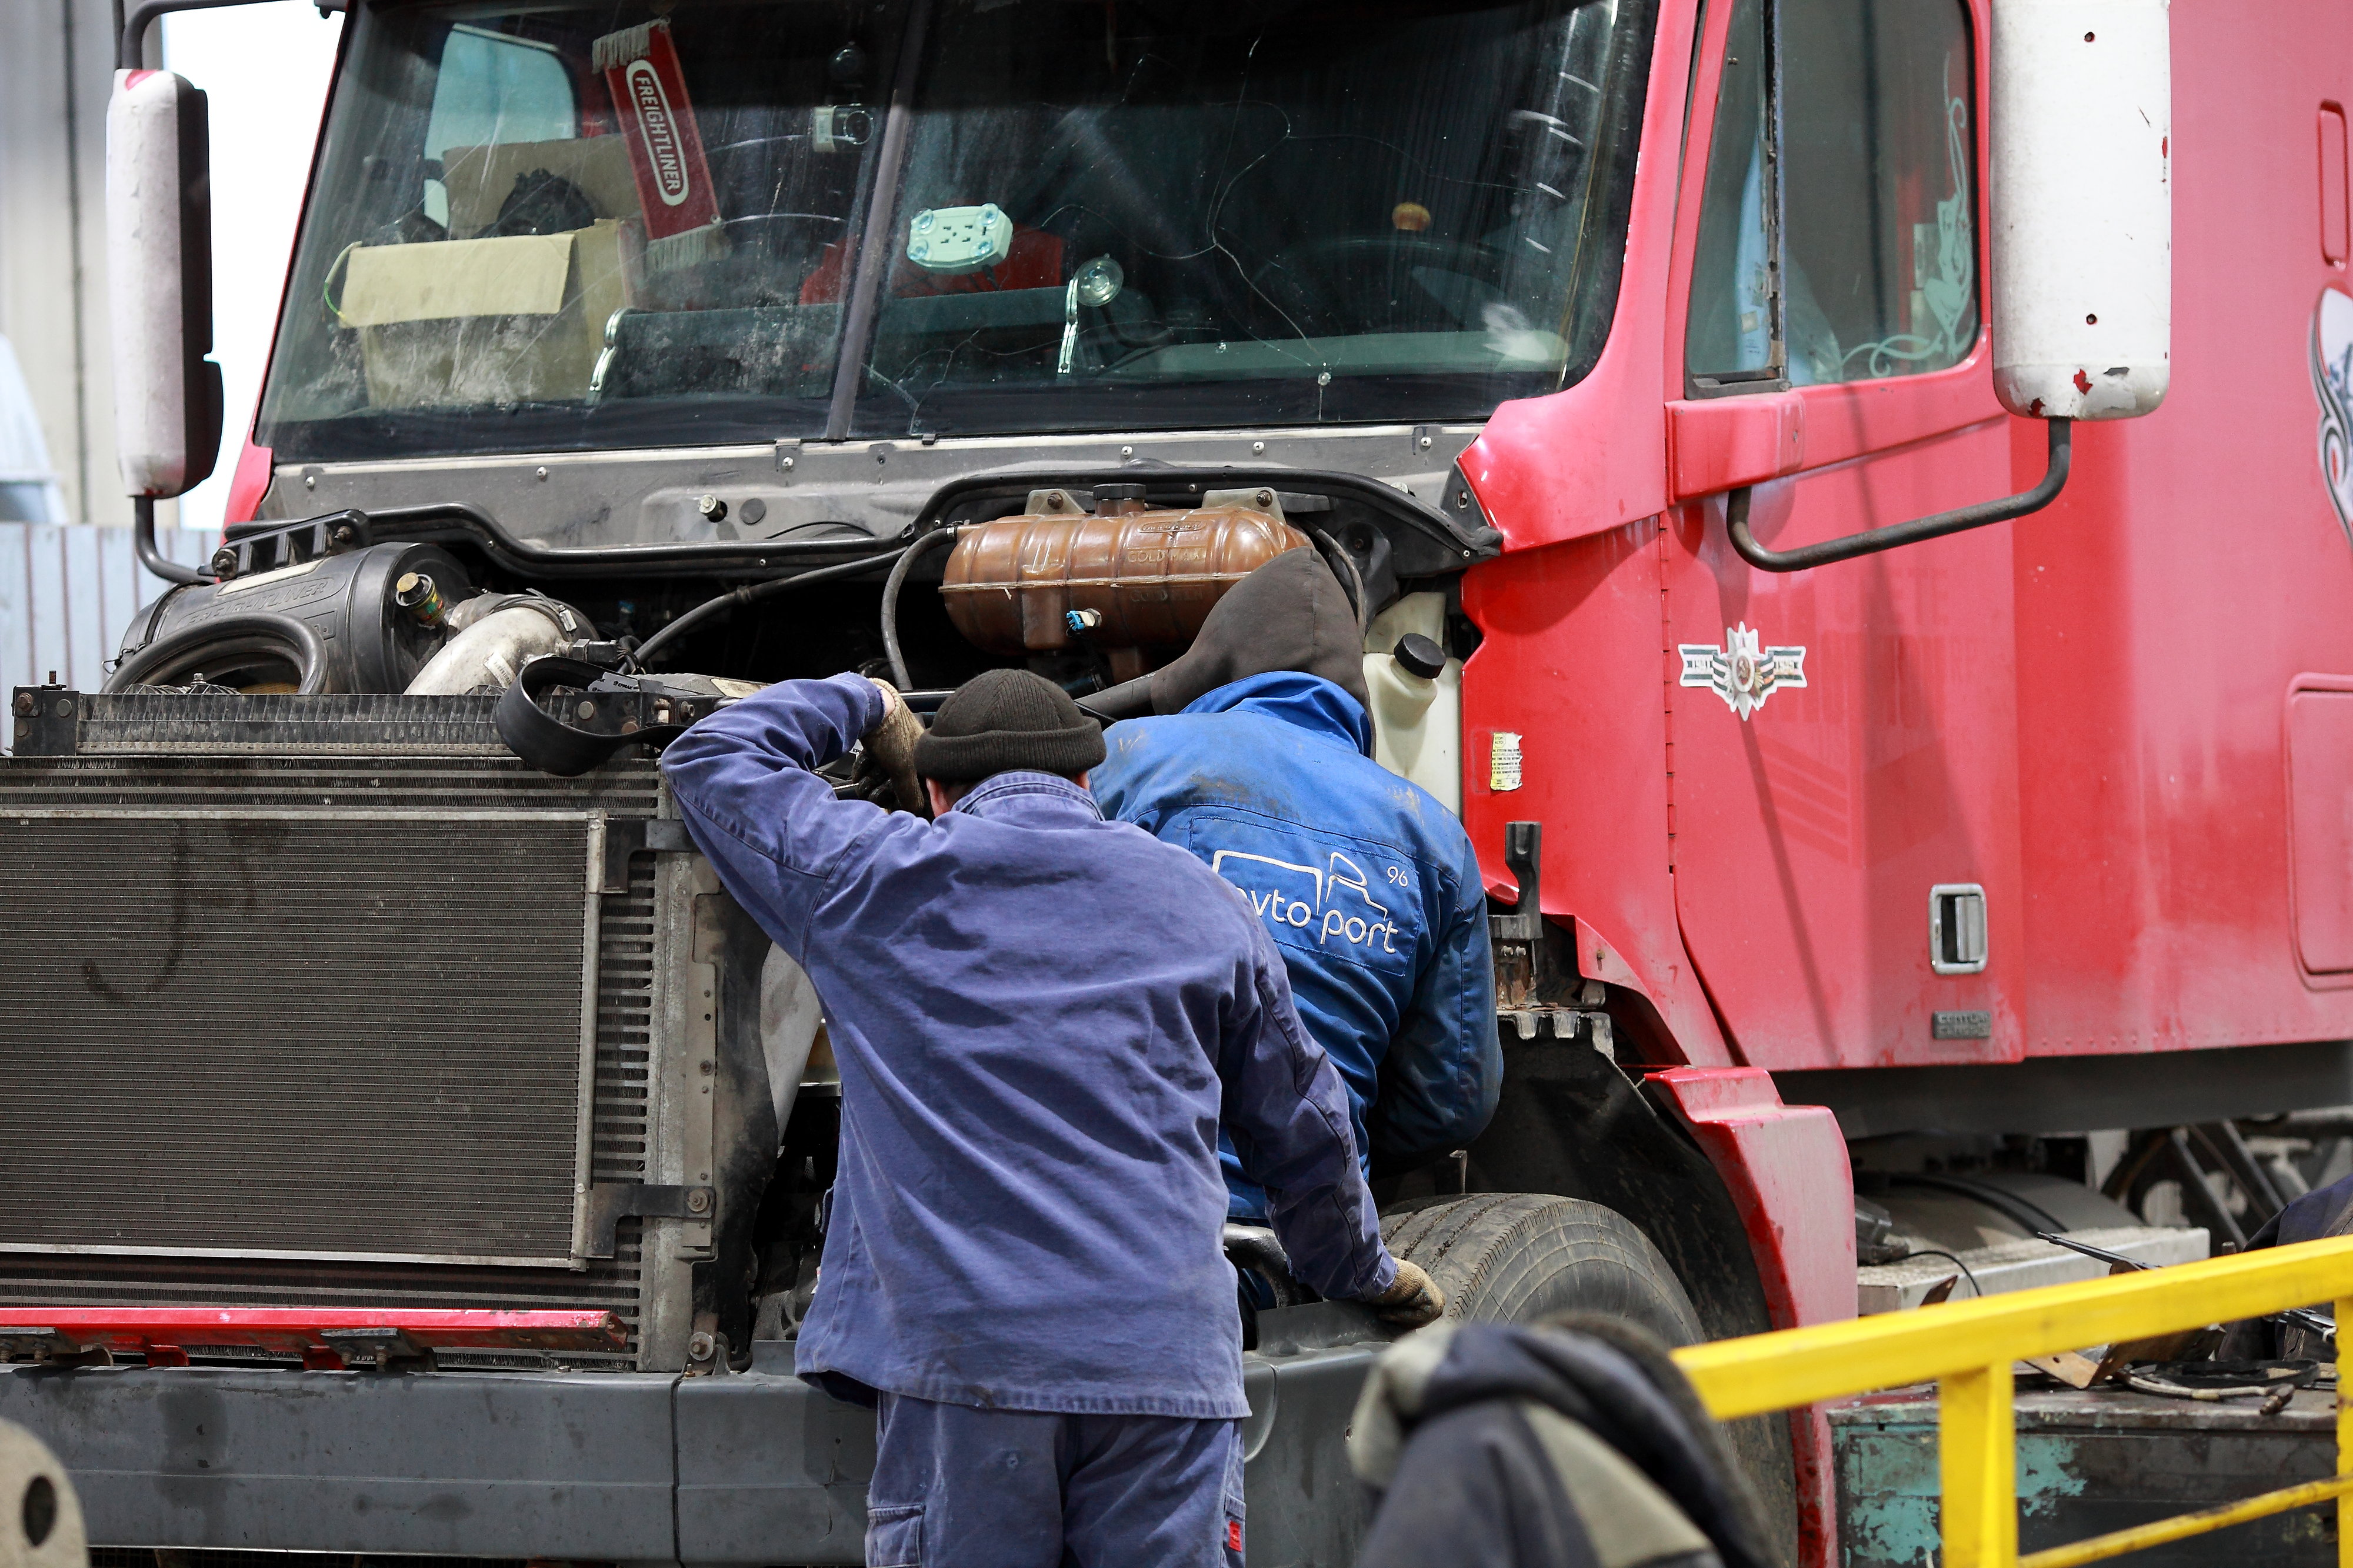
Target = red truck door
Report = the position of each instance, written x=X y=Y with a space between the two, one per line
x=1842 y=739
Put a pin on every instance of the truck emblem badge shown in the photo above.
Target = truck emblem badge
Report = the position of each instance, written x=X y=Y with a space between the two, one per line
x=2332 y=383
x=1740 y=672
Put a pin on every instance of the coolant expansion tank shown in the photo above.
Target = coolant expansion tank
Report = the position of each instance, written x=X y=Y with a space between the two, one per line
x=1150 y=577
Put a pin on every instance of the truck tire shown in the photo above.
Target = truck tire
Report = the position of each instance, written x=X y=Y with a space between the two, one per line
x=1519 y=1258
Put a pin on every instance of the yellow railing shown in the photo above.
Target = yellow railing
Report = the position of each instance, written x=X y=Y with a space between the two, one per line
x=1968 y=1348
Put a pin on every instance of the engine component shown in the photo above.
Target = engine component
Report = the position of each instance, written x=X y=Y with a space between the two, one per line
x=1416 y=696
x=611 y=712
x=236 y=633
x=417 y=593
x=1150 y=577
x=531 y=1088
x=496 y=633
x=247 y=652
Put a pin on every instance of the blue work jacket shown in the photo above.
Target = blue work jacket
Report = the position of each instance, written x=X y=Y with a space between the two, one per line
x=1040 y=1019
x=1367 y=884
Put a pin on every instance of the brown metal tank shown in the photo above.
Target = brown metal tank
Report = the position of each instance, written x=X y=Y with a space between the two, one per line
x=1150 y=577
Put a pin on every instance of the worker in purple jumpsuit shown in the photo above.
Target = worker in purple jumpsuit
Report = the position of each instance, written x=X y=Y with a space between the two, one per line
x=1041 y=1019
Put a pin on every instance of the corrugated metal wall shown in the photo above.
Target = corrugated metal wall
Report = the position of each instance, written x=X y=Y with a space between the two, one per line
x=67 y=590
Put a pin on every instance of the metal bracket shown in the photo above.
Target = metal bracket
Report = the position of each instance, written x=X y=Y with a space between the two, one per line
x=46 y=719
x=385 y=1349
x=625 y=836
x=51 y=1347
x=610 y=1202
x=1523 y=852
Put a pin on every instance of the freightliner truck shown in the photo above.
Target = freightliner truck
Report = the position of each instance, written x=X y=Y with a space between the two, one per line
x=1905 y=720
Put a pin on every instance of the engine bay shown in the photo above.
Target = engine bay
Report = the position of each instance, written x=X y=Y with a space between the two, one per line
x=1092 y=579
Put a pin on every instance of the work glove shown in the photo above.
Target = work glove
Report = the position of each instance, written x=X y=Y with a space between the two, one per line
x=1412 y=1299
x=891 y=749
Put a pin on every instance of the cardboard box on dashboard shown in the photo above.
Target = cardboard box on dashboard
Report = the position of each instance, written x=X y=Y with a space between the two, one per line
x=464 y=322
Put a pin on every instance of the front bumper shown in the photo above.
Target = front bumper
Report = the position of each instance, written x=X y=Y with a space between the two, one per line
x=755 y=1467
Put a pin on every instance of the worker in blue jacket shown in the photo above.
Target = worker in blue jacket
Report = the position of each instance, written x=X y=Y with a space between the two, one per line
x=1262 y=767
x=1041 y=1019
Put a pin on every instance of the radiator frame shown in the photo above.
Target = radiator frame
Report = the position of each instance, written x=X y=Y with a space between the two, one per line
x=660 y=953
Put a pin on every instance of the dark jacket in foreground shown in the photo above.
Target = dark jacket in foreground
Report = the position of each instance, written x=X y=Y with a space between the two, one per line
x=1578 y=1446
x=1040 y=1019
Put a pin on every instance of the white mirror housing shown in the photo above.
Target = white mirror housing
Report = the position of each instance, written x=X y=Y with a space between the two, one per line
x=167 y=394
x=2082 y=128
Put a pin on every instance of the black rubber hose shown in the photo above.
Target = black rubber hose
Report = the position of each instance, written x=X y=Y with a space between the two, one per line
x=1350 y=578
x=890 y=649
x=751 y=593
x=256 y=631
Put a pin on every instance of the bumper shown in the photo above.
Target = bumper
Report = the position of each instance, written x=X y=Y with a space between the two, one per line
x=752 y=1469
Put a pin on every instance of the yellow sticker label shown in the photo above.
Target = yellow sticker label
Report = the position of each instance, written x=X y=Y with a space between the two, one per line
x=1503 y=762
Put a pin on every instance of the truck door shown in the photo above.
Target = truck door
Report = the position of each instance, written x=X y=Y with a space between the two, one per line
x=1842 y=739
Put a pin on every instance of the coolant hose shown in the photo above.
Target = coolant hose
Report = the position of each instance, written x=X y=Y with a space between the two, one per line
x=1344 y=566
x=254 y=631
x=891 y=601
x=751 y=593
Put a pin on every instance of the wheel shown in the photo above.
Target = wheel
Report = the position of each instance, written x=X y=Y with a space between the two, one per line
x=1518 y=1257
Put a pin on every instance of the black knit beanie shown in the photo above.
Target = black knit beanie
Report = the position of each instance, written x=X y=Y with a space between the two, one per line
x=1001 y=719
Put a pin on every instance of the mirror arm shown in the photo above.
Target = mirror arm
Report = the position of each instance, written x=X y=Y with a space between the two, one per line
x=1872 y=541
x=141 y=15
x=142 y=545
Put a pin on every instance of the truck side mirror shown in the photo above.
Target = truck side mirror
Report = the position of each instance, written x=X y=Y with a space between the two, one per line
x=2082 y=128
x=159 y=258
x=2083 y=246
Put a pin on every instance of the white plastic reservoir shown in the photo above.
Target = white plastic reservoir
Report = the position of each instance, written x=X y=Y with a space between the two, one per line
x=1416 y=721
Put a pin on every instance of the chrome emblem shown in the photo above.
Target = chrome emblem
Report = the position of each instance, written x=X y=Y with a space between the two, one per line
x=1741 y=672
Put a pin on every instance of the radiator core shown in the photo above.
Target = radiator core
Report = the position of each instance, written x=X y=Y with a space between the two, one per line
x=273 y=1031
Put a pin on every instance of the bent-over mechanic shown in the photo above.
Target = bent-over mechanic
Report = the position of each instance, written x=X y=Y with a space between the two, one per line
x=1041 y=1018
x=1262 y=767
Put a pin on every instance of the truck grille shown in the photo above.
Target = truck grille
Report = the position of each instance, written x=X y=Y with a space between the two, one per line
x=311 y=1031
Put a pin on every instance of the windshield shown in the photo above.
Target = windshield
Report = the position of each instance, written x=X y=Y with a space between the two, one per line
x=539 y=226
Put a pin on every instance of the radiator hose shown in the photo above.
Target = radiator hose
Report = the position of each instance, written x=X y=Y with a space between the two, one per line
x=192 y=648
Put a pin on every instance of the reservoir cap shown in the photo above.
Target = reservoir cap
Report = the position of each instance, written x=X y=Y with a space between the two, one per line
x=1416 y=654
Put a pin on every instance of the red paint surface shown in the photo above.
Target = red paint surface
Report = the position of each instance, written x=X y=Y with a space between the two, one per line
x=1786 y=1168
x=248 y=484
x=2085 y=711
x=2082 y=711
x=162 y=1332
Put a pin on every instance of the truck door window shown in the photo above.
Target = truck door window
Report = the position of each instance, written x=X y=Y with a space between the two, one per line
x=1734 y=335
x=1868 y=245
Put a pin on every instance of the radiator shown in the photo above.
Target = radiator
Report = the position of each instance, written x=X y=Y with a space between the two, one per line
x=344 y=1029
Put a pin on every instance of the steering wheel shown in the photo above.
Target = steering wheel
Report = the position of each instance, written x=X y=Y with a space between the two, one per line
x=1346 y=285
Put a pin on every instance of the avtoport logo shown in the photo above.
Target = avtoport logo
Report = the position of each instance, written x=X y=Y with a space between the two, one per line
x=659 y=126
x=1332 y=903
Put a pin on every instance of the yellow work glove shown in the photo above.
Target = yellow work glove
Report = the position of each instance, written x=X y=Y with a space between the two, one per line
x=891 y=749
x=1412 y=1299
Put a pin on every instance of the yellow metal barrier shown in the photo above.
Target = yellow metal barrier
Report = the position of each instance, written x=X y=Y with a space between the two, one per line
x=1966 y=1348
